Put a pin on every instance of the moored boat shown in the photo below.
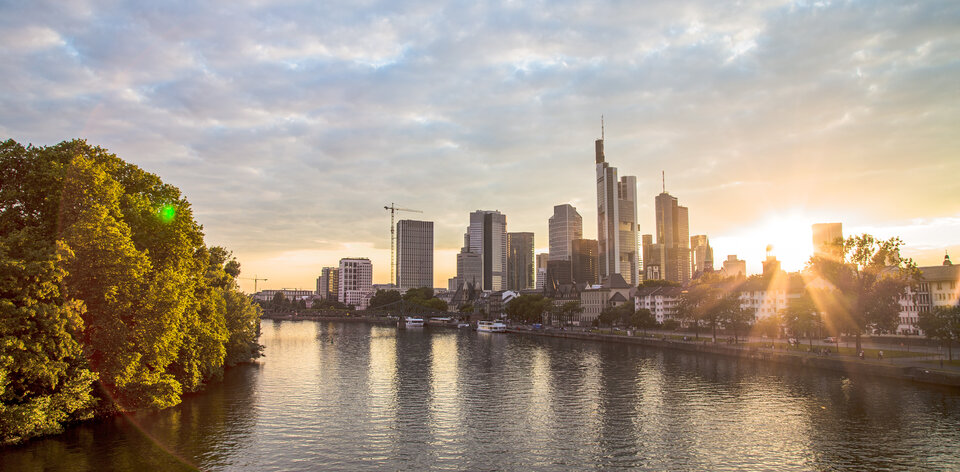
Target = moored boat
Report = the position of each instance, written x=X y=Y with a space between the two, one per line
x=491 y=327
x=414 y=323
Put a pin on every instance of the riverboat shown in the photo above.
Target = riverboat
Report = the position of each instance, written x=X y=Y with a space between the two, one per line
x=491 y=327
x=414 y=323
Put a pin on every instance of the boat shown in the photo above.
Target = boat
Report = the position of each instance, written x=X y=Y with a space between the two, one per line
x=463 y=325
x=414 y=323
x=491 y=327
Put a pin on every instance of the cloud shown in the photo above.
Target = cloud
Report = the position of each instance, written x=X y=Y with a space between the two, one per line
x=294 y=122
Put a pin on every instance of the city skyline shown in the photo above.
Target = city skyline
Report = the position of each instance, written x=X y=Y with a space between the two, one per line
x=289 y=128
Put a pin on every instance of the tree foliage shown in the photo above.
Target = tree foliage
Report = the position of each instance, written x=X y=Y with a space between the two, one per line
x=941 y=323
x=109 y=287
x=864 y=284
x=528 y=308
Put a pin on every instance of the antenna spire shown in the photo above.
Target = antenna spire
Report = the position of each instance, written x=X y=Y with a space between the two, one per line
x=663 y=175
x=601 y=127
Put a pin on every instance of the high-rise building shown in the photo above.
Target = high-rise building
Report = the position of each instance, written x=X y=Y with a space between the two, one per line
x=824 y=236
x=565 y=226
x=414 y=254
x=616 y=221
x=585 y=261
x=520 y=263
x=486 y=237
x=651 y=259
x=733 y=267
x=328 y=283
x=673 y=239
x=356 y=282
x=542 y=260
x=701 y=255
x=559 y=273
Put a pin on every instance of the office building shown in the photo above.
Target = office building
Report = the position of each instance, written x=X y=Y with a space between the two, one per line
x=825 y=235
x=414 y=254
x=521 y=271
x=328 y=283
x=565 y=226
x=542 y=260
x=356 y=282
x=673 y=239
x=733 y=267
x=486 y=239
x=584 y=259
x=651 y=258
x=701 y=255
x=616 y=221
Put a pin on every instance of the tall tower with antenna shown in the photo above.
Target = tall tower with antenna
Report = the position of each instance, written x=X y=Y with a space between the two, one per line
x=616 y=219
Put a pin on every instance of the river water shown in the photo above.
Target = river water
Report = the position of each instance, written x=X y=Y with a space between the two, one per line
x=344 y=396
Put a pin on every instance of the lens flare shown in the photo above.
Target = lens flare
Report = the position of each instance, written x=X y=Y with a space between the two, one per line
x=168 y=213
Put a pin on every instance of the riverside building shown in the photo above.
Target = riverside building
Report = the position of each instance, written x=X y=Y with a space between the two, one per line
x=356 y=282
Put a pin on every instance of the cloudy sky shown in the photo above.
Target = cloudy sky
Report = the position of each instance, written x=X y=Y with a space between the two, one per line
x=289 y=125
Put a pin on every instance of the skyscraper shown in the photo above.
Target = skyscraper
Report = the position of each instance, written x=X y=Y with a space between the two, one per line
x=616 y=221
x=701 y=255
x=565 y=226
x=733 y=267
x=542 y=260
x=585 y=261
x=520 y=264
x=414 y=254
x=824 y=235
x=486 y=237
x=673 y=238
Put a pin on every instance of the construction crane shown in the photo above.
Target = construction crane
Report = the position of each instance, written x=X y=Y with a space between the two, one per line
x=255 y=279
x=393 y=238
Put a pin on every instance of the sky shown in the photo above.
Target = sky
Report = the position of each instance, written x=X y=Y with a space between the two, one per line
x=289 y=125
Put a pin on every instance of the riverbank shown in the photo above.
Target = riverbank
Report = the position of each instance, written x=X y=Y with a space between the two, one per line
x=914 y=371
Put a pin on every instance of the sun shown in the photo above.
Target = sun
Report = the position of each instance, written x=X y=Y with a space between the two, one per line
x=787 y=234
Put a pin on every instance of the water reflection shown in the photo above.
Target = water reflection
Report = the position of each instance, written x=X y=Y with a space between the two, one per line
x=332 y=396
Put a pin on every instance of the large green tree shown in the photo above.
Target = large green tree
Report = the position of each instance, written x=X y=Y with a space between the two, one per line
x=866 y=283
x=44 y=379
x=153 y=312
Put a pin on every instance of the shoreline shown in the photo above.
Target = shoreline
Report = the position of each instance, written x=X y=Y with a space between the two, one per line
x=886 y=369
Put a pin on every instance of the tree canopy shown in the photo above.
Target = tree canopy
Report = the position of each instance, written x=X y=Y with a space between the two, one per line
x=528 y=308
x=110 y=300
x=863 y=286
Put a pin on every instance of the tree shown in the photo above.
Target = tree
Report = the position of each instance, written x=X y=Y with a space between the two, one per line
x=643 y=319
x=383 y=298
x=733 y=315
x=942 y=323
x=151 y=310
x=866 y=282
x=44 y=379
x=691 y=306
x=801 y=316
x=564 y=313
x=617 y=315
x=527 y=308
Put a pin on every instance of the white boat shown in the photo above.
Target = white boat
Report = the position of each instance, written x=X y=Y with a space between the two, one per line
x=414 y=323
x=491 y=327
x=463 y=325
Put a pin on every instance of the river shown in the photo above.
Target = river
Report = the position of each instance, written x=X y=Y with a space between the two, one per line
x=349 y=396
